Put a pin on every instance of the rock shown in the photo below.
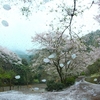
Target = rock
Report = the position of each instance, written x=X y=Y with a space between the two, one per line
x=84 y=99
x=84 y=87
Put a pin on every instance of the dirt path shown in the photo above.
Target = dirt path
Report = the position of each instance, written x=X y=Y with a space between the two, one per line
x=26 y=89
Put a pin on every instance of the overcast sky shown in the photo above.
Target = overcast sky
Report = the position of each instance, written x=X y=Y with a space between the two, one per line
x=18 y=34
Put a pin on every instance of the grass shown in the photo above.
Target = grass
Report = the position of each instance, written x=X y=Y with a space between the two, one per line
x=92 y=77
x=95 y=75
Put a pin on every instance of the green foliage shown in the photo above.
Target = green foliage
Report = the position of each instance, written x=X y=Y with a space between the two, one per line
x=24 y=62
x=95 y=75
x=1 y=73
x=6 y=74
x=22 y=70
x=1 y=83
x=9 y=74
x=82 y=73
x=52 y=85
x=70 y=80
x=36 y=81
x=94 y=68
x=37 y=76
x=11 y=65
x=39 y=72
x=25 y=73
x=91 y=79
x=91 y=39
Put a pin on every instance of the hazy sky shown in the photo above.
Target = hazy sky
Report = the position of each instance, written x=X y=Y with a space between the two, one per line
x=18 y=34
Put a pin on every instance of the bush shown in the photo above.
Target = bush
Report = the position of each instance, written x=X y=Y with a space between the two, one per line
x=82 y=73
x=36 y=81
x=52 y=85
x=70 y=80
x=1 y=84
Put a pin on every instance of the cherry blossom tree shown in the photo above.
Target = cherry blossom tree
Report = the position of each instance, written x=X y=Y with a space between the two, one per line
x=64 y=46
x=64 y=57
x=61 y=53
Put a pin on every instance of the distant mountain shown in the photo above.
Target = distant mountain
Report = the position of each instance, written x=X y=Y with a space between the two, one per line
x=23 y=55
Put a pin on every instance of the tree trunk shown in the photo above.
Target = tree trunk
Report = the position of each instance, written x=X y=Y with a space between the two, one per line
x=61 y=78
x=10 y=84
x=2 y=85
x=60 y=74
x=27 y=79
x=59 y=70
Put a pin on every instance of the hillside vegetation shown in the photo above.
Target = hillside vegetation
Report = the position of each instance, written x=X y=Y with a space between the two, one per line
x=11 y=65
x=92 y=39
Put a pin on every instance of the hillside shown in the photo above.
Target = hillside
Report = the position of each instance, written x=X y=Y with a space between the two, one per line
x=92 y=38
x=11 y=66
x=8 y=58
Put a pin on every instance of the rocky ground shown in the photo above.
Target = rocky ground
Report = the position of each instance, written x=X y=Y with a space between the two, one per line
x=79 y=91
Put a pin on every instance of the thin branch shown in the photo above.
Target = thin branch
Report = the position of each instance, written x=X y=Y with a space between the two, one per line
x=72 y=15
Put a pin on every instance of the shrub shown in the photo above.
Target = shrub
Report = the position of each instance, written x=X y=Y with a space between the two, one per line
x=52 y=85
x=82 y=73
x=70 y=80
x=1 y=84
x=36 y=81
